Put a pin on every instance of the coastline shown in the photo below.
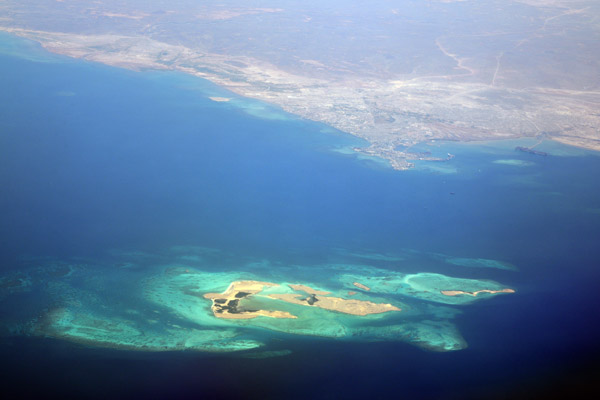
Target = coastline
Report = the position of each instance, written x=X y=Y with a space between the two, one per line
x=297 y=95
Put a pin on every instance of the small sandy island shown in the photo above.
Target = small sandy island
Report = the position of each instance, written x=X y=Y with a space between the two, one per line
x=459 y=292
x=361 y=286
x=346 y=306
x=220 y=99
x=227 y=304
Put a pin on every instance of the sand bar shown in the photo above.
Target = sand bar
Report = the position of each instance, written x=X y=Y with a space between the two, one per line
x=361 y=286
x=459 y=292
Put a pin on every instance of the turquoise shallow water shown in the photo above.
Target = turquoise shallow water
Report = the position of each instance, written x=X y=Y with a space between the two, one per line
x=111 y=169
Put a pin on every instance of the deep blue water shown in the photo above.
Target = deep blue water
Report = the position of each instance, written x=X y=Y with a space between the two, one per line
x=95 y=158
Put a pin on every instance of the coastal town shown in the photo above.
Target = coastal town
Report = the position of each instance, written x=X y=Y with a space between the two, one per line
x=433 y=90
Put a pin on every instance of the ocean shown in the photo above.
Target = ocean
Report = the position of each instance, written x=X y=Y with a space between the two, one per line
x=106 y=167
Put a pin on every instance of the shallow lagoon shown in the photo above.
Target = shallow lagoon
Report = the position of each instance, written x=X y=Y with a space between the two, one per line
x=135 y=302
x=131 y=174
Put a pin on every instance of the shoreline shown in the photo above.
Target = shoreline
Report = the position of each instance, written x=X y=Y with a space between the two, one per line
x=141 y=53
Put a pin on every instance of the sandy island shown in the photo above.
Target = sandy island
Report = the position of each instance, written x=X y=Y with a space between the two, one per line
x=227 y=304
x=353 y=307
x=361 y=286
x=220 y=99
x=459 y=292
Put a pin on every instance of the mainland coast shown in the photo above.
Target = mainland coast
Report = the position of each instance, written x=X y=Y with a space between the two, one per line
x=392 y=112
